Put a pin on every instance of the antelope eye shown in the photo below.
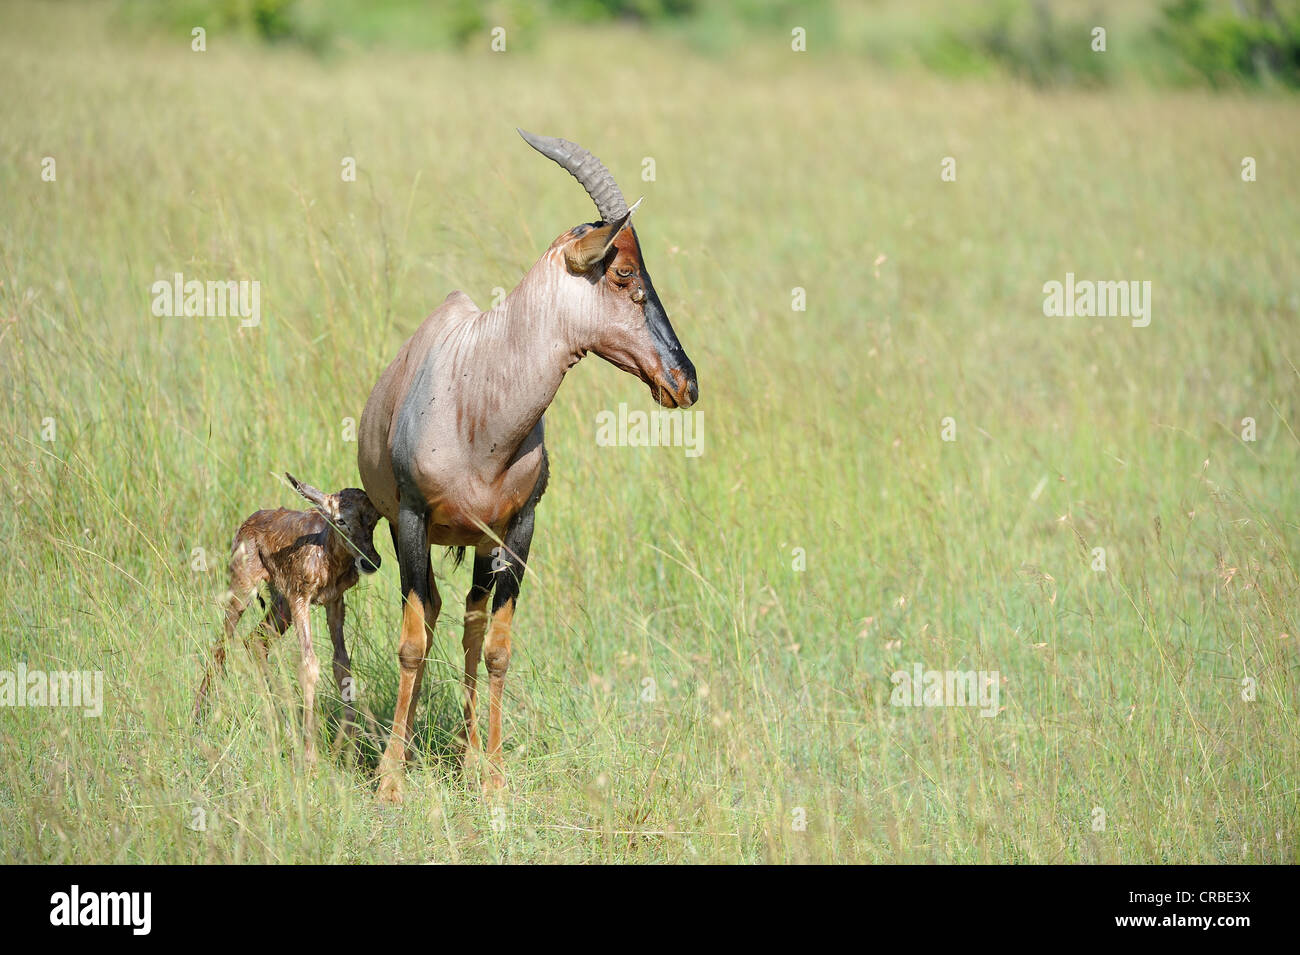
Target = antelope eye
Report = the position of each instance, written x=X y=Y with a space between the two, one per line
x=624 y=273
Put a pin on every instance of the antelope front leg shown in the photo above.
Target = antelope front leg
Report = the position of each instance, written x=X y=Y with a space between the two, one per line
x=432 y=609
x=410 y=656
x=308 y=675
x=419 y=612
x=342 y=668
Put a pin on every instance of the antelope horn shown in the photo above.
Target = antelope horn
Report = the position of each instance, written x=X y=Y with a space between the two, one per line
x=587 y=169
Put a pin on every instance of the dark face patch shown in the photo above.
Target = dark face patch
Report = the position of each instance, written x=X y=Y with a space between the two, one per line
x=636 y=335
x=357 y=519
x=626 y=273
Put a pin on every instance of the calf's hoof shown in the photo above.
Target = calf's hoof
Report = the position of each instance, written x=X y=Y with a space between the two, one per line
x=469 y=762
x=494 y=783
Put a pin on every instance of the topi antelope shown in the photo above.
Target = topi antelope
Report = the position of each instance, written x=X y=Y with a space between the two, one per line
x=306 y=557
x=450 y=446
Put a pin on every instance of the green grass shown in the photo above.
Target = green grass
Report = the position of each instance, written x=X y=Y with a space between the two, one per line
x=1121 y=690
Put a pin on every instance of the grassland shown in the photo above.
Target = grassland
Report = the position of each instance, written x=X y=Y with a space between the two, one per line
x=1121 y=690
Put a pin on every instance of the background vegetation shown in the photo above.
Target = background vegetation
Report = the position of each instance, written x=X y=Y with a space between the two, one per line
x=1216 y=42
x=1122 y=690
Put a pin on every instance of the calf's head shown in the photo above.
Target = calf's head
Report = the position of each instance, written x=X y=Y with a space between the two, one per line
x=352 y=517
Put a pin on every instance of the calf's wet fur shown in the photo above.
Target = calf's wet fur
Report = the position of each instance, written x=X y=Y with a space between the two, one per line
x=304 y=557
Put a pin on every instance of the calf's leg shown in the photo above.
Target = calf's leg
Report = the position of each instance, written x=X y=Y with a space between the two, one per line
x=274 y=623
x=342 y=667
x=308 y=674
x=246 y=572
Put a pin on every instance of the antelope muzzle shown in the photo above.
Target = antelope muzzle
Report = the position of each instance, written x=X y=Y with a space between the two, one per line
x=674 y=385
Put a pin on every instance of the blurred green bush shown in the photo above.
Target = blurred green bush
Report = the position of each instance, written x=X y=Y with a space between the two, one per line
x=1254 y=42
x=1027 y=40
x=1219 y=42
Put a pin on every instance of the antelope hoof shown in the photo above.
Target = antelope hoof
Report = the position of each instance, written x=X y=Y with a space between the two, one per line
x=494 y=784
x=392 y=780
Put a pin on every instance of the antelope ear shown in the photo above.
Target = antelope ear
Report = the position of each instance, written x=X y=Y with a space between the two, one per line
x=319 y=498
x=592 y=248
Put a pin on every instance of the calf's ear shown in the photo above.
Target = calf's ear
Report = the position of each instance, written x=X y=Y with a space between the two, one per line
x=325 y=502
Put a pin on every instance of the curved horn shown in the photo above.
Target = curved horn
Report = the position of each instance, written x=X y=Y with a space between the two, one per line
x=587 y=169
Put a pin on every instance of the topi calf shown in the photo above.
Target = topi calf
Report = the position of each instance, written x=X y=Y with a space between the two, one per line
x=306 y=557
